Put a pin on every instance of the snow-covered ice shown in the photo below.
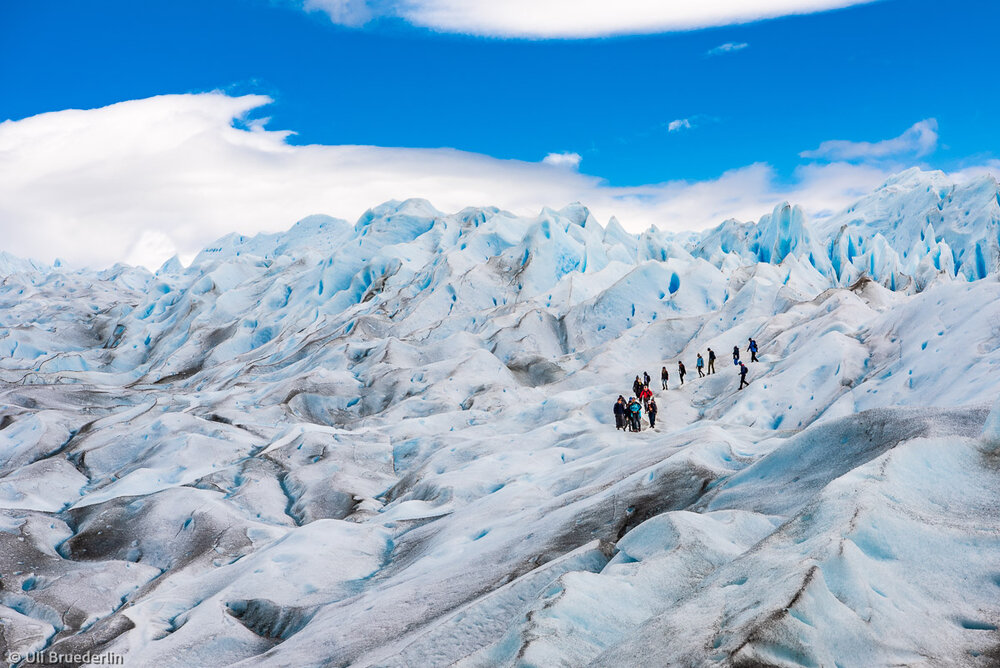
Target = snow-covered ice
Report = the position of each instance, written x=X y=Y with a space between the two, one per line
x=392 y=444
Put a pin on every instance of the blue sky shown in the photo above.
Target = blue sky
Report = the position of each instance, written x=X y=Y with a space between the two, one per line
x=780 y=88
x=865 y=73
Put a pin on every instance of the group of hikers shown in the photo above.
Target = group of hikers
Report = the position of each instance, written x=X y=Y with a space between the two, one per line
x=628 y=413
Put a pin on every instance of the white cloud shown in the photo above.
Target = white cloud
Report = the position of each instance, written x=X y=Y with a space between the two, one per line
x=563 y=159
x=728 y=47
x=919 y=140
x=679 y=124
x=567 y=19
x=990 y=167
x=353 y=13
x=140 y=180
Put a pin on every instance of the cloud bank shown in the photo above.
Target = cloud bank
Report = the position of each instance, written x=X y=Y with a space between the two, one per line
x=141 y=180
x=567 y=19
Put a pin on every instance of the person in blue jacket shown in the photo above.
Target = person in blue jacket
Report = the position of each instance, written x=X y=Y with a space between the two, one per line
x=752 y=349
x=700 y=364
x=635 y=414
x=743 y=376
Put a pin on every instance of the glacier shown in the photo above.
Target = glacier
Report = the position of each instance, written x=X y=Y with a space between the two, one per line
x=391 y=443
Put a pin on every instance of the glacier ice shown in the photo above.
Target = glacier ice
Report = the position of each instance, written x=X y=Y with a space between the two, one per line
x=391 y=444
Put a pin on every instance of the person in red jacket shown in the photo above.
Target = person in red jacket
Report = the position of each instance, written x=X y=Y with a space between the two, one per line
x=645 y=396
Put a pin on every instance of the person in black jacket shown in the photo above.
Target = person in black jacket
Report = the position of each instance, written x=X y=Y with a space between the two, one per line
x=711 y=361
x=620 y=412
x=681 y=371
x=637 y=386
x=645 y=378
x=664 y=376
x=736 y=354
x=651 y=412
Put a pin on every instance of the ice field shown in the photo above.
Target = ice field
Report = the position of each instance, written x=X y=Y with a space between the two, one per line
x=391 y=443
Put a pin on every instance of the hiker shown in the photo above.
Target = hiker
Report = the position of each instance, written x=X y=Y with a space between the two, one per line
x=711 y=361
x=620 y=413
x=636 y=387
x=664 y=376
x=651 y=412
x=681 y=371
x=645 y=396
x=635 y=413
x=743 y=375
x=736 y=354
x=752 y=349
x=645 y=378
x=700 y=364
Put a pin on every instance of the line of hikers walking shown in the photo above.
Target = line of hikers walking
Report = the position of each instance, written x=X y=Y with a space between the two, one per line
x=628 y=414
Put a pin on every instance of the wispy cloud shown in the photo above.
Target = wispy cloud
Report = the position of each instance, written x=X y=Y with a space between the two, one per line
x=679 y=124
x=138 y=181
x=728 y=47
x=563 y=159
x=567 y=19
x=353 y=13
x=918 y=140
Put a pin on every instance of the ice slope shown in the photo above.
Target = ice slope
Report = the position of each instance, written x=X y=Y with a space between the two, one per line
x=391 y=444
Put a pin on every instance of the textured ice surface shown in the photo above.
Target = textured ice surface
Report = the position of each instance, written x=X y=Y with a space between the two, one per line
x=392 y=444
